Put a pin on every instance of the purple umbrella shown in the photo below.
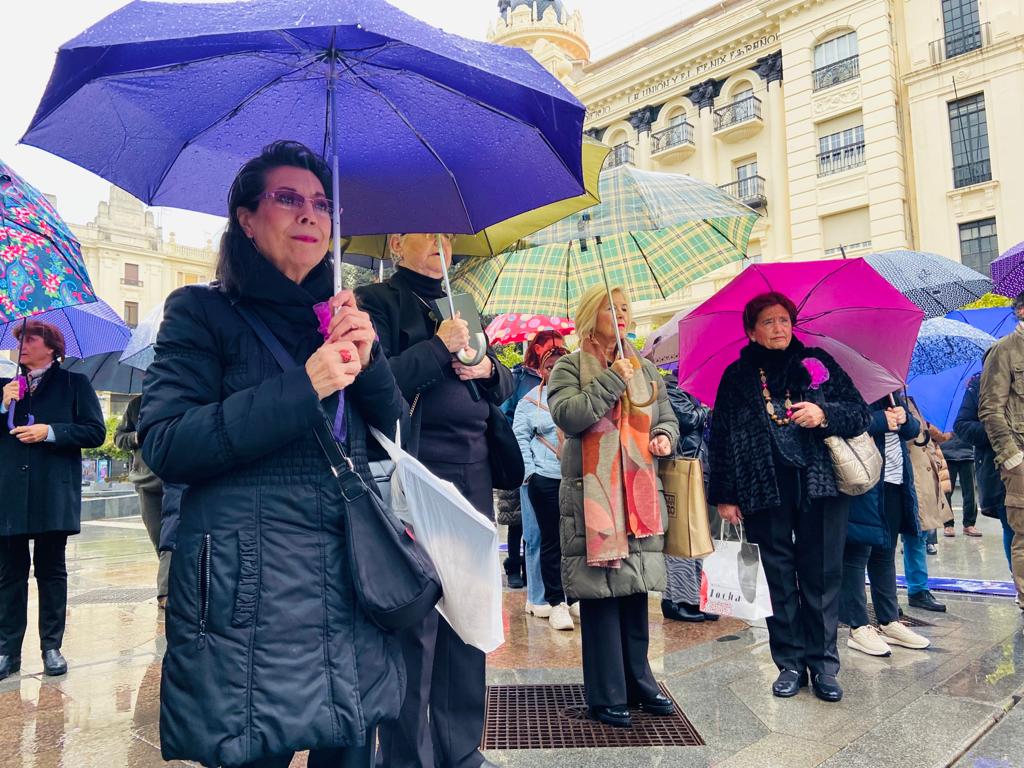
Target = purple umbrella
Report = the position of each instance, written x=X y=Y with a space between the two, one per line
x=844 y=307
x=431 y=133
x=1008 y=272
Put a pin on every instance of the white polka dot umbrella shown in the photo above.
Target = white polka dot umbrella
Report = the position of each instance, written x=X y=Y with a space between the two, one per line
x=514 y=327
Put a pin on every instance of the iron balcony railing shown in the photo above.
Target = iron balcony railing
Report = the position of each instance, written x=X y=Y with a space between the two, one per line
x=740 y=111
x=749 y=191
x=841 y=159
x=673 y=136
x=972 y=173
x=959 y=42
x=621 y=154
x=837 y=72
x=131 y=281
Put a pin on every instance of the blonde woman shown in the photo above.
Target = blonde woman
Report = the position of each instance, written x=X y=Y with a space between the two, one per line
x=612 y=508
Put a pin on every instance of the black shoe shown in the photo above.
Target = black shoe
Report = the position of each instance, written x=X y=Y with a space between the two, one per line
x=617 y=716
x=826 y=688
x=661 y=705
x=926 y=602
x=710 y=616
x=788 y=683
x=9 y=665
x=53 y=663
x=931 y=549
x=680 y=611
x=515 y=581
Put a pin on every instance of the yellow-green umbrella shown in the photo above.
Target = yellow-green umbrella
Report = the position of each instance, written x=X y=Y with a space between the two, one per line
x=366 y=250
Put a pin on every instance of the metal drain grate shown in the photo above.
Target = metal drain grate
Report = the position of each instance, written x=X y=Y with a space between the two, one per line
x=905 y=619
x=107 y=595
x=555 y=717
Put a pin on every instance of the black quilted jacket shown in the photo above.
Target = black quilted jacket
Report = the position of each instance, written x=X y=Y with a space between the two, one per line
x=740 y=452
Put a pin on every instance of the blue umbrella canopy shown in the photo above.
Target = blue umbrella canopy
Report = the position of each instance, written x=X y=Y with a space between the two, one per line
x=934 y=283
x=939 y=395
x=943 y=344
x=168 y=100
x=88 y=329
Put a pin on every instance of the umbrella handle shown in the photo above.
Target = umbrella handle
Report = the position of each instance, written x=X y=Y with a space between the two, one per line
x=10 y=417
x=645 y=403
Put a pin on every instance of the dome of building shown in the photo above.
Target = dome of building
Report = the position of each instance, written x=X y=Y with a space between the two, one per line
x=507 y=6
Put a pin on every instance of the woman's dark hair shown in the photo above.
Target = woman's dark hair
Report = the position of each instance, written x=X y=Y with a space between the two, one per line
x=249 y=184
x=761 y=302
x=50 y=334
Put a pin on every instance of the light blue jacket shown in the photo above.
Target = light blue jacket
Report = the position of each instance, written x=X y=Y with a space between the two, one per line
x=533 y=420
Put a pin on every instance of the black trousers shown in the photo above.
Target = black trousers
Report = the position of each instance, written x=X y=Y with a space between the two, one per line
x=880 y=563
x=964 y=470
x=615 y=640
x=801 y=544
x=52 y=581
x=345 y=757
x=544 y=498
x=442 y=717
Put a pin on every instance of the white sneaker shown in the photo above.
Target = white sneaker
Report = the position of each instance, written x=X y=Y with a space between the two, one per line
x=574 y=609
x=560 y=618
x=900 y=634
x=541 y=611
x=866 y=640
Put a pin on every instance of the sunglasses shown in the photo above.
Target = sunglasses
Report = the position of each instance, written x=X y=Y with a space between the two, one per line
x=293 y=201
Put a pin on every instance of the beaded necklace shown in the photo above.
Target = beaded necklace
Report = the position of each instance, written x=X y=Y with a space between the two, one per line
x=770 y=406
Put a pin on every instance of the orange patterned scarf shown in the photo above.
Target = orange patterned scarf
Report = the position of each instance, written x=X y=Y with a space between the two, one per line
x=620 y=481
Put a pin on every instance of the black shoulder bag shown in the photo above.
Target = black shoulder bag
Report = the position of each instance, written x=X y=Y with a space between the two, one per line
x=395 y=580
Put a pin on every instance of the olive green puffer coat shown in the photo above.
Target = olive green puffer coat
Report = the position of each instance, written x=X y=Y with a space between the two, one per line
x=573 y=410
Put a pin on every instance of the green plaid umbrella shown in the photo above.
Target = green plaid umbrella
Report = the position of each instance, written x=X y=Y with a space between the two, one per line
x=654 y=233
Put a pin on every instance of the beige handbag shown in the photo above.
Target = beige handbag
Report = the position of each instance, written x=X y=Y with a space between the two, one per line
x=856 y=462
x=688 y=534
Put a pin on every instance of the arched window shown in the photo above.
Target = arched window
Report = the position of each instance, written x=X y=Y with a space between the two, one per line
x=836 y=60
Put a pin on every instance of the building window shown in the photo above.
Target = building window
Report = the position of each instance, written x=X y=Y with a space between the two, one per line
x=188 y=278
x=621 y=154
x=748 y=187
x=978 y=245
x=131 y=275
x=968 y=132
x=743 y=104
x=841 y=151
x=836 y=61
x=961 y=26
x=131 y=313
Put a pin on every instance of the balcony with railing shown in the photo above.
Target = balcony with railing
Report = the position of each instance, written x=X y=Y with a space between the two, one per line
x=841 y=159
x=969 y=174
x=749 y=191
x=673 y=143
x=132 y=281
x=621 y=154
x=837 y=72
x=961 y=41
x=739 y=120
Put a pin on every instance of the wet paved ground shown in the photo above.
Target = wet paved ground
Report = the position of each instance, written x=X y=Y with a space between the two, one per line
x=949 y=705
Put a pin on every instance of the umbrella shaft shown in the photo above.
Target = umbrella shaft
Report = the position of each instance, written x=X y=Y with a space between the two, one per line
x=611 y=301
x=444 y=273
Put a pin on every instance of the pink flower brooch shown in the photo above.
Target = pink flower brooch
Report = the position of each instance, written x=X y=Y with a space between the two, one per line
x=817 y=370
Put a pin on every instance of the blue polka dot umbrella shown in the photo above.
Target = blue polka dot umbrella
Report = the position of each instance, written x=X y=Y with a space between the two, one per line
x=943 y=344
x=934 y=283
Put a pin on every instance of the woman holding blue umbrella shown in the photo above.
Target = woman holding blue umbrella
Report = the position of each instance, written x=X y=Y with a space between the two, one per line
x=55 y=415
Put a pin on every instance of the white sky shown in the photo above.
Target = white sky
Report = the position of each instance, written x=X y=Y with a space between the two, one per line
x=33 y=30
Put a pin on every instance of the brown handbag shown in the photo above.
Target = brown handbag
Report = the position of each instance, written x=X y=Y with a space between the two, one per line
x=688 y=533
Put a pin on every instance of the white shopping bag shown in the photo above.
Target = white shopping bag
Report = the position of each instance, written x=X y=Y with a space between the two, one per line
x=462 y=543
x=733 y=581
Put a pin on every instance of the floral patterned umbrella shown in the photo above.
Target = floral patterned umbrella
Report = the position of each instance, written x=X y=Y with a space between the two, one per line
x=513 y=328
x=41 y=266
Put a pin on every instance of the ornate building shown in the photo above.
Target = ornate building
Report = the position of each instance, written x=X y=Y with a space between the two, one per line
x=849 y=127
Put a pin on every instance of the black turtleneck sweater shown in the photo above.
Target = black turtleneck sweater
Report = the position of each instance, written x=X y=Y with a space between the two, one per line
x=452 y=424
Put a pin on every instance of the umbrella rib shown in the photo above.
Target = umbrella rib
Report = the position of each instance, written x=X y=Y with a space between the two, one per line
x=647 y=261
x=817 y=285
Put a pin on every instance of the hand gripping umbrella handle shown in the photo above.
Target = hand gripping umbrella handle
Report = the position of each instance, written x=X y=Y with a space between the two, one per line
x=22 y=388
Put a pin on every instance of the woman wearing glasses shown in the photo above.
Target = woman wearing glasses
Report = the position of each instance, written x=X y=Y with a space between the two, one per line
x=56 y=415
x=443 y=714
x=268 y=651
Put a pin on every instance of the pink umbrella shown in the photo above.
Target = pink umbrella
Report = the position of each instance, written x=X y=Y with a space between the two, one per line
x=514 y=327
x=844 y=307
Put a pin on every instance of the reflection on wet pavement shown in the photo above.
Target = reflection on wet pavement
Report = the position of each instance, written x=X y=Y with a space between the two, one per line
x=105 y=711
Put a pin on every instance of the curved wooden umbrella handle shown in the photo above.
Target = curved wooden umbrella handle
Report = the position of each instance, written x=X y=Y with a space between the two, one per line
x=645 y=403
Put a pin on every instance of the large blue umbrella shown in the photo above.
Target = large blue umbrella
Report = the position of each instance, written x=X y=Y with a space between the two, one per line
x=943 y=343
x=936 y=284
x=939 y=395
x=168 y=100
x=88 y=329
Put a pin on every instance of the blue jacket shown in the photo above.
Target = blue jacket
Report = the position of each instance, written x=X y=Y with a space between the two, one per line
x=533 y=422
x=968 y=427
x=867 y=523
x=523 y=380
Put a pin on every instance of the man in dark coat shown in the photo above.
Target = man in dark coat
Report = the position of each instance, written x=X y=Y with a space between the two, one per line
x=41 y=487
